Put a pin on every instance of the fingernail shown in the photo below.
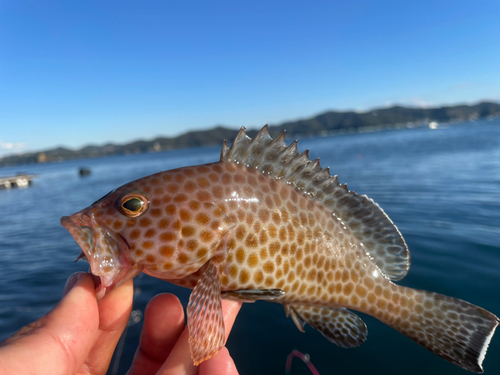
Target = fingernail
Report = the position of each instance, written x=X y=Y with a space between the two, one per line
x=71 y=282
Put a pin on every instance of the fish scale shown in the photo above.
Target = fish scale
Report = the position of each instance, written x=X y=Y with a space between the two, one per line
x=266 y=223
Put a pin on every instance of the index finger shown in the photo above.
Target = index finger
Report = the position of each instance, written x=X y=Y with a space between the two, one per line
x=114 y=313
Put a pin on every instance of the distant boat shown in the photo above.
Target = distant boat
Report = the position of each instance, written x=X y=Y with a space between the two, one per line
x=433 y=125
x=84 y=171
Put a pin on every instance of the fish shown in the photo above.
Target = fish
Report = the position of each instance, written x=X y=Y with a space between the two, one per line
x=267 y=223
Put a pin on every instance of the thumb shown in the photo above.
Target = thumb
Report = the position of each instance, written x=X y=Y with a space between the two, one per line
x=58 y=342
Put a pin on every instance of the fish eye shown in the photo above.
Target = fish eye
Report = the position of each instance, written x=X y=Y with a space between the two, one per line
x=133 y=205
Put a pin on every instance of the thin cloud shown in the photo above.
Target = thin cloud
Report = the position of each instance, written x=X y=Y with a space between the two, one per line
x=461 y=86
x=420 y=103
x=413 y=102
x=11 y=146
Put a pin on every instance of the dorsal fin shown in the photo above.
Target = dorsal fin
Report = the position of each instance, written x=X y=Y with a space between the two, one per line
x=365 y=219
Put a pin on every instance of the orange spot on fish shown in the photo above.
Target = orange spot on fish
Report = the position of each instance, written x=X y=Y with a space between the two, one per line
x=204 y=196
x=189 y=187
x=213 y=177
x=150 y=233
x=173 y=188
x=168 y=236
x=274 y=248
x=144 y=222
x=226 y=179
x=251 y=241
x=183 y=258
x=203 y=182
x=177 y=225
x=240 y=232
x=192 y=245
x=117 y=224
x=268 y=267
x=233 y=271
x=188 y=172
x=263 y=237
x=185 y=215
x=244 y=276
x=188 y=231
x=179 y=198
x=179 y=178
x=171 y=209
x=156 y=212
x=202 y=253
x=206 y=236
x=202 y=169
x=167 y=251
x=240 y=255
x=163 y=223
x=253 y=260
x=218 y=192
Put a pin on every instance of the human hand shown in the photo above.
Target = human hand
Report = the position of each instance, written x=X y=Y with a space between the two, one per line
x=79 y=336
x=164 y=346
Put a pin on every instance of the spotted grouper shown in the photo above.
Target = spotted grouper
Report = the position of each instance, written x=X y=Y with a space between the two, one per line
x=267 y=223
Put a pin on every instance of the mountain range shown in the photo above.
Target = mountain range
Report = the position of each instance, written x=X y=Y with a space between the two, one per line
x=328 y=123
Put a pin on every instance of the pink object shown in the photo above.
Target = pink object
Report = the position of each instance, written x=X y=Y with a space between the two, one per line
x=304 y=357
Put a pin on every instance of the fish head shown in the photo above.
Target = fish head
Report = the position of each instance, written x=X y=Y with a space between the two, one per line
x=102 y=239
x=157 y=224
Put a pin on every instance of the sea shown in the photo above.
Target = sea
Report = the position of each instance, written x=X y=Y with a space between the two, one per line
x=441 y=187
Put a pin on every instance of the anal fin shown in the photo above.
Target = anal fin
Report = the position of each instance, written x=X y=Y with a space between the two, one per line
x=338 y=325
x=252 y=295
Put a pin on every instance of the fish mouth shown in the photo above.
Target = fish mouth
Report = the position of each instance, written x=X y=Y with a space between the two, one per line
x=104 y=249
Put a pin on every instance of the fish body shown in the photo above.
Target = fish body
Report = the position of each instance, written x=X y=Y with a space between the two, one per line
x=266 y=223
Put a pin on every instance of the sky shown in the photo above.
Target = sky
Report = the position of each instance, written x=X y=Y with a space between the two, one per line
x=74 y=73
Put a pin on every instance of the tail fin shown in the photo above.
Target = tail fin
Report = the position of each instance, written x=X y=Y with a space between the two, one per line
x=451 y=328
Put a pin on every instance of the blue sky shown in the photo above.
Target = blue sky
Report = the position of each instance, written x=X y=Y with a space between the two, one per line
x=74 y=73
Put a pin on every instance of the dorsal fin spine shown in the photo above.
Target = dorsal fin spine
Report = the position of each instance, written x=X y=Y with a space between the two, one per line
x=283 y=158
x=295 y=166
x=258 y=148
x=276 y=146
x=239 y=148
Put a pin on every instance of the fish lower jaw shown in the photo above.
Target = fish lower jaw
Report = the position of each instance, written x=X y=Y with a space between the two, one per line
x=102 y=284
x=100 y=289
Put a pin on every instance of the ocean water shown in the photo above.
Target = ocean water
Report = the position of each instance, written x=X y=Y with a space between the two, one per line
x=440 y=187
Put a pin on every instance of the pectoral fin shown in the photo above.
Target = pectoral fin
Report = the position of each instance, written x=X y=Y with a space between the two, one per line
x=205 y=319
x=252 y=295
x=340 y=326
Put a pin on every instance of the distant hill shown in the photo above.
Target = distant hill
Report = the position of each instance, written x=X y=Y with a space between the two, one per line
x=327 y=123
